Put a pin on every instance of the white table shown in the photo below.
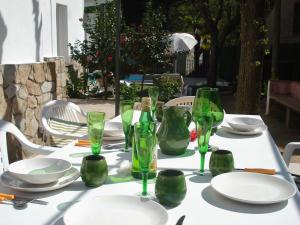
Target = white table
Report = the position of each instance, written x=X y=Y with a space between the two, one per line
x=202 y=205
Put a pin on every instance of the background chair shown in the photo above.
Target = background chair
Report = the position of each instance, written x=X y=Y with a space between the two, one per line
x=7 y=127
x=61 y=122
x=289 y=149
x=184 y=101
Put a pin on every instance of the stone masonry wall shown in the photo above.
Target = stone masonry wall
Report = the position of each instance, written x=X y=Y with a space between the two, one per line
x=24 y=89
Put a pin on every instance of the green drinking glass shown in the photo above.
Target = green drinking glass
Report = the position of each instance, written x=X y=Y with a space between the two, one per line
x=202 y=114
x=170 y=187
x=221 y=161
x=153 y=94
x=95 y=121
x=126 y=115
x=144 y=140
x=94 y=170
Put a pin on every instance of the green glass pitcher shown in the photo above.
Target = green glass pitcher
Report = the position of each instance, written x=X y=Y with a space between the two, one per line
x=173 y=134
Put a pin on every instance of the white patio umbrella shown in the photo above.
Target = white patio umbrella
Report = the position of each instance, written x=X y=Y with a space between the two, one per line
x=182 y=42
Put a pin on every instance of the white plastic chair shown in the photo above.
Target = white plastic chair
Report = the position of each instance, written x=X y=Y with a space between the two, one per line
x=289 y=149
x=184 y=100
x=63 y=110
x=7 y=127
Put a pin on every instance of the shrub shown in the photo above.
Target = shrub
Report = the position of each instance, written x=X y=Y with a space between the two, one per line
x=169 y=86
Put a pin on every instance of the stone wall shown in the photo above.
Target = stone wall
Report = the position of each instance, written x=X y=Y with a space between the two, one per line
x=24 y=89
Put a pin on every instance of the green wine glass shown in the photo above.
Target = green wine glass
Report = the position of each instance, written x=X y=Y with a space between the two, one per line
x=202 y=114
x=95 y=121
x=126 y=115
x=153 y=94
x=144 y=140
x=216 y=108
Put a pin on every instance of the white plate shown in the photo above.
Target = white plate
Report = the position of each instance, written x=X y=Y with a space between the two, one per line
x=243 y=123
x=253 y=188
x=113 y=129
x=9 y=181
x=113 y=138
x=253 y=132
x=39 y=170
x=116 y=210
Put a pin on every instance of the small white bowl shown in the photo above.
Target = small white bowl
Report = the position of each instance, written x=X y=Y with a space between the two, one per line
x=245 y=123
x=113 y=129
x=39 y=170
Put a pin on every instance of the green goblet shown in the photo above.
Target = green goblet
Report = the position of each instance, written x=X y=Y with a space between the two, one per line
x=153 y=94
x=202 y=114
x=216 y=108
x=144 y=140
x=221 y=161
x=95 y=121
x=126 y=115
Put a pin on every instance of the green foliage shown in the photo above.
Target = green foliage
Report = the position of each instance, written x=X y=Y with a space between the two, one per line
x=75 y=84
x=148 y=44
x=168 y=86
x=129 y=92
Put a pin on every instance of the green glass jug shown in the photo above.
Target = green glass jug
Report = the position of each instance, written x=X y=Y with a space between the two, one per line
x=173 y=134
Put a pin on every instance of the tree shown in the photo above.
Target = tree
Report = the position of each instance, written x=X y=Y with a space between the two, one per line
x=148 y=43
x=96 y=53
x=221 y=17
x=253 y=44
x=275 y=37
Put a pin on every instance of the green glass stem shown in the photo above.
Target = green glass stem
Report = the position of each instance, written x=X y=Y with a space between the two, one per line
x=154 y=114
x=144 y=178
x=126 y=143
x=95 y=149
x=202 y=161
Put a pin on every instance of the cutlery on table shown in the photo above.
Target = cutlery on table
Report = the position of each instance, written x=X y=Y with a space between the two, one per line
x=258 y=170
x=180 y=220
x=20 y=202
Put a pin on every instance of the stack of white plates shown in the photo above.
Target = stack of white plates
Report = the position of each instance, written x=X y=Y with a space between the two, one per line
x=113 y=131
x=39 y=174
x=245 y=126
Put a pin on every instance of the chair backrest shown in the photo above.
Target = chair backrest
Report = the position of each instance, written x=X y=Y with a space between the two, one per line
x=7 y=127
x=289 y=150
x=60 y=109
x=185 y=100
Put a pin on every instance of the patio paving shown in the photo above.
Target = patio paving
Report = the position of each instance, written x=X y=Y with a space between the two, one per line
x=275 y=121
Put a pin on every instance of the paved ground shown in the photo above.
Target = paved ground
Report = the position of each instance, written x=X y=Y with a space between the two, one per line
x=275 y=122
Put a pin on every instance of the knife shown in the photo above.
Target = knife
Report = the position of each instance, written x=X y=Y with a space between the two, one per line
x=180 y=220
x=258 y=170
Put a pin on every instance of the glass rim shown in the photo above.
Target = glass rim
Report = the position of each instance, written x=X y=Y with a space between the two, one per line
x=96 y=112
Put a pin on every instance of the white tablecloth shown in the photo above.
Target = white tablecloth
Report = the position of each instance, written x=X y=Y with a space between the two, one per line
x=202 y=204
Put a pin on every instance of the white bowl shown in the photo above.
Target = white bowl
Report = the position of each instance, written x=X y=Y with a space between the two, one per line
x=113 y=129
x=245 y=123
x=39 y=170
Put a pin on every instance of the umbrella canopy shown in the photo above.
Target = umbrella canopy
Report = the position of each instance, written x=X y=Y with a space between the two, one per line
x=182 y=42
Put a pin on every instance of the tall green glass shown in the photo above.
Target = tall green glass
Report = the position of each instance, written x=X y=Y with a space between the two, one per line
x=216 y=108
x=126 y=115
x=144 y=141
x=153 y=94
x=95 y=121
x=202 y=114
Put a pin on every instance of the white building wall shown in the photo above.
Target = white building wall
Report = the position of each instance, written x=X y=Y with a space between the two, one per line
x=28 y=28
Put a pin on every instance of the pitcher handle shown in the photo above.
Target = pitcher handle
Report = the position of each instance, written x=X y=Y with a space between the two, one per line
x=188 y=118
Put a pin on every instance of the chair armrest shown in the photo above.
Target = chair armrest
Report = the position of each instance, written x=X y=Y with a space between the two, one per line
x=289 y=150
